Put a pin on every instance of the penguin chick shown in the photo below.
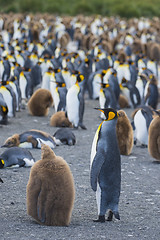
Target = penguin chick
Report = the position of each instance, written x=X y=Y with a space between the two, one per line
x=39 y=103
x=16 y=157
x=124 y=133
x=59 y=119
x=123 y=101
x=30 y=139
x=50 y=190
x=154 y=138
x=64 y=136
x=105 y=166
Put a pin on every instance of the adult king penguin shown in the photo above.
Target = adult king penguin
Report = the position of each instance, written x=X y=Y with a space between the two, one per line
x=105 y=166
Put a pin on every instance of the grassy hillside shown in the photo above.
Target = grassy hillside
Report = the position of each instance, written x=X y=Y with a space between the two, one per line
x=123 y=8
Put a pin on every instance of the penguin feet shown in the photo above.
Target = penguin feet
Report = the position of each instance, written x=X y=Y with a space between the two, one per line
x=110 y=216
x=82 y=126
x=144 y=146
x=100 y=219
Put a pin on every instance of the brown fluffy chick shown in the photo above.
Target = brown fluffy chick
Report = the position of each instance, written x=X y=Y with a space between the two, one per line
x=154 y=138
x=124 y=133
x=50 y=190
x=123 y=101
x=59 y=119
x=39 y=103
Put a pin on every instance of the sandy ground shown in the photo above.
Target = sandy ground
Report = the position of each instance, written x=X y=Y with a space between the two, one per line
x=139 y=205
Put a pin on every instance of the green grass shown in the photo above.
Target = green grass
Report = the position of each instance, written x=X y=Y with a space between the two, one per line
x=123 y=8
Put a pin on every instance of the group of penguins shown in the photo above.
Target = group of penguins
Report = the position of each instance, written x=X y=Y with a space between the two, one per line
x=51 y=61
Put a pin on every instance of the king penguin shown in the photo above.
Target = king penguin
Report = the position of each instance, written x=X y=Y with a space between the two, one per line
x=16 y=157
x=105 y=166
x=30 y=139
x=75 y=103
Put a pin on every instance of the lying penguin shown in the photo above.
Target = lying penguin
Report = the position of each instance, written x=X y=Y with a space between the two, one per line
x=16 y=157
x=50 y=190
x=64 y=136
x=30 y=139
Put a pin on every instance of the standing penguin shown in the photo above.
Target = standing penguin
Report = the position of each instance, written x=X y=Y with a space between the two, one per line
x=75 y=103
x=105 y=166
x=107 y=98
x=142 y=118
x=50 y=190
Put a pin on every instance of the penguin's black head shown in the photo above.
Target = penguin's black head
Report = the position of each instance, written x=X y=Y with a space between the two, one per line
x=105 y=85
x=109 y=113
x=4 y=110
x=80 y=78
x=1 y=163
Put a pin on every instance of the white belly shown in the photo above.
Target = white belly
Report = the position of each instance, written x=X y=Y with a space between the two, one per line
x=141 y=128
x=72 y=105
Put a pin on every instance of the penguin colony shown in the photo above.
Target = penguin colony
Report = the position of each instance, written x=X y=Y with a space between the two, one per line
x=51 y=61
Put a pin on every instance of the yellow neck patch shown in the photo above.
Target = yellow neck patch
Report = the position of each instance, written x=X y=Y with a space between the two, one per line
x=4 y=109
x=2 y=161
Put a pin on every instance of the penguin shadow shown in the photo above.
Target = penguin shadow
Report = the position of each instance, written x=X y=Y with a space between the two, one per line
x=156 y=162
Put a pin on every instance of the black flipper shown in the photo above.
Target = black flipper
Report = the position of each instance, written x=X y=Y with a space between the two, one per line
x=21 y=162
x=95 y=169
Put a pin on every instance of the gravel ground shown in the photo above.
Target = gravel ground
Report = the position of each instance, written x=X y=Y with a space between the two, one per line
x=139 y=205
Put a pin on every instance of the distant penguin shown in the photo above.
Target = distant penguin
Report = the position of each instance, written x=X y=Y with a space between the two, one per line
x=93 y=84
x=105 y=167
x=141 y=120
x=75 y=103
x=59 y=97
x=123 y=101
x=1 y=180
x=107 y=98
x=16 y=157
x=124 y=133
x=26 y=85
x=50 y=190
x=151 y=94
x=30 y=139
x=9 y=99
x=64 y=136
x=59 y=119
x=154 y=138
x=130 y=91
x=3 y=111
x=39 y=103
